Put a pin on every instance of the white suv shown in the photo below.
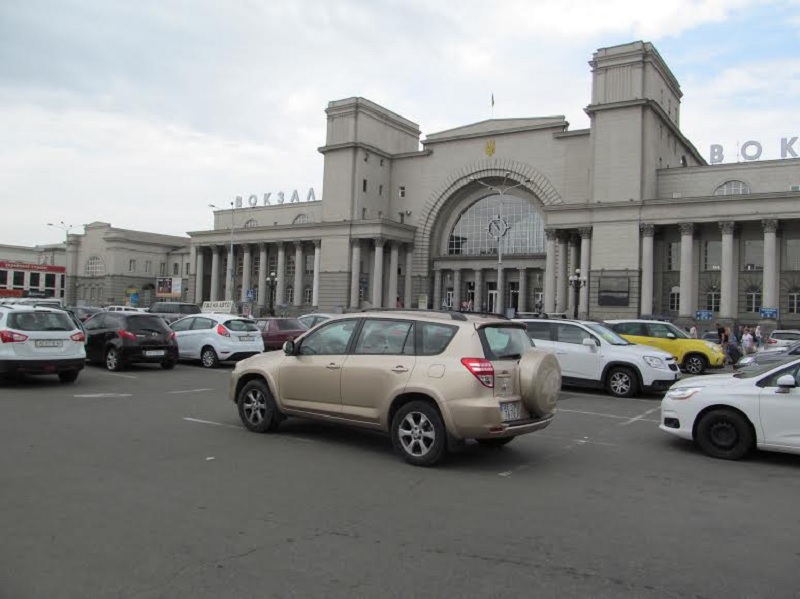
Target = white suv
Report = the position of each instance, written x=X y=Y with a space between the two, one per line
x=40 y=341
x=592 y=355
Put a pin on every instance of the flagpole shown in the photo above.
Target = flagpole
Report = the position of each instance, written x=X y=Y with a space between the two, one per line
x=492 y=104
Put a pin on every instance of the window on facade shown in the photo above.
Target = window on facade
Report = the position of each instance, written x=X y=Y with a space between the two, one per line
x=712 y=255
x=308 y=295
x=49 y=281
x=3 y=277
x=675 y=299
x=186 y=268
x=731 y=188
x=754 y=254
x=290 y=295
x=402 y=191
x=148 y=266
x=289 y=266
x=35 y=277
x=131 y=265
x=471 y=236
x=251 y=224
x=309 y=265
x=674 y=255
x=272 y=264
x=94 y=267
x=794 y=302
x=791 y=259
x=364 y=185
x=302 y=219
x=19 y=279
x=380 y=190
x=162 y=268
x=176 y=269
x=752 y=299
x=712 y=301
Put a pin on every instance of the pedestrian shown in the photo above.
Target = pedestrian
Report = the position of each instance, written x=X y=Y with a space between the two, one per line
x=748 y=344
x=398 y=303
x=444 y=303
x=464 y=305
x=693 y=332
x=470 y=305
x=757 y=336
x=739 y=334
x=720 y=333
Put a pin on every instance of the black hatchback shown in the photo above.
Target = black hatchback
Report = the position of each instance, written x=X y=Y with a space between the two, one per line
x=120 y=338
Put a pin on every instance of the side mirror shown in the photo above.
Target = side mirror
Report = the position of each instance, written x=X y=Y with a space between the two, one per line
x=670 y=335
x=589 y=342
x=288 y=348
x=785 y=383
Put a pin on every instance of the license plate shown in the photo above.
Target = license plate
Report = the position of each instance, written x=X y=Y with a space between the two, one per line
x=511 y=410
x=246 y=338
x=49 y=343
x=152 y=353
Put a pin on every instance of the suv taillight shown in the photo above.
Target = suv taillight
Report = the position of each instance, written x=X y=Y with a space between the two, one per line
x=771 y=341
x=12 y=337
x=79 y=337
x=126 y=334
x=482 y=369
x=221 y=330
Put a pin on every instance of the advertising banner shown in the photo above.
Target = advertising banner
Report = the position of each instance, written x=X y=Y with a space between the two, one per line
x=169 y=287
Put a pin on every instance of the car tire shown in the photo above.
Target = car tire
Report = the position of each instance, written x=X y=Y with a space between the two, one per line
x=622 y=382
x=113 y=360
x=208 y=357
x=539 y=381
x=68 y=376
x=724 y=434
x=496 y=443
x=418 y=434
x=695 y=364
x=257 y=409
x=168 y=365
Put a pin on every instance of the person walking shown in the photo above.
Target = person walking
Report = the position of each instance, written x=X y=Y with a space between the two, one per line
x=720 y=333
x=757 y=336
x=748 y=344
x=693 y=332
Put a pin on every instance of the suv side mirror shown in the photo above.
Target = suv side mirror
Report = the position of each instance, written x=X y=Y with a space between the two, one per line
x=785 y=383
x=288 y=348
x=589 y=342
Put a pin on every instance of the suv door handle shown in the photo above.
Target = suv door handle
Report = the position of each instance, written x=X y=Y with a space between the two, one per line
x=333 y=366
x=399 y=369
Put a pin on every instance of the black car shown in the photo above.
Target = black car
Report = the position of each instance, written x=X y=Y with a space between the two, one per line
x=773 y=356
x=120 y=338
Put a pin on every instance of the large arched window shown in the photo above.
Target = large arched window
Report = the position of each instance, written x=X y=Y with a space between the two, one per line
x=251 y=224
x=302 y=219
x=732 y=188
x=95 y=267
x=471 y=235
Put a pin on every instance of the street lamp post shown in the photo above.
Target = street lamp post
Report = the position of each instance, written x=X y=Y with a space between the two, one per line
x=498 y=226
x=577 y=282
x=271 y=280
x=231 y=269
x=67 y=229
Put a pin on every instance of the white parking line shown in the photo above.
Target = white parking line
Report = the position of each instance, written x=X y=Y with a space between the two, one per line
x=123 y=376
x=214 y=423
x=96 y=395
x=188 y=391
x=569 y=394
x=641 y=417
x=578 y=441
x=634 y=419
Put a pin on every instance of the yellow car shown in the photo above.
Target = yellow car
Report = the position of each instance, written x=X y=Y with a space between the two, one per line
x=693 y=355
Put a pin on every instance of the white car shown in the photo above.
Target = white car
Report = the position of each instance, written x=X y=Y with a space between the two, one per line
x=780 y=338
x=592 y=355
x=728 y=415
x=215 y=338
x=40 y=341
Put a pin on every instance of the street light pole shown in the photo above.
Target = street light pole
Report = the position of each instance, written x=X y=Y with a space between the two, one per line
x=231 y=269
x=67 y=229
x=498 y=226
x=271 y=280
x=577 y=282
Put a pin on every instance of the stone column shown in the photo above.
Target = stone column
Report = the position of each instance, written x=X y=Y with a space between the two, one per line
x=215 y=283
x=687 y=269
x=394 y=259
x=409 y=264
x=477 y=303
x=586 y=267
x=315 y=284
x=299 y=269
x=437 y=289
x=562 y=276
x=377 y=274
x=199 y=273
x=550 y=271
x=71 y=273
x=647 y=232
x=572 y=261
x=280 y=276
x=263 y=263
x=355 y=272
x=246 y=266
x=726 y=276
x=229 y=274
x=457 y=289
x=769 y=299
x=522 y=298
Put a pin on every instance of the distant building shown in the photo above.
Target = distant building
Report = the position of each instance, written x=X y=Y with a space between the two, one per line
x=32 y=271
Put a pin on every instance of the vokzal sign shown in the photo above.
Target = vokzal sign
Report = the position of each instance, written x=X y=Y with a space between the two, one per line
x=280 y=198
x=752 y=150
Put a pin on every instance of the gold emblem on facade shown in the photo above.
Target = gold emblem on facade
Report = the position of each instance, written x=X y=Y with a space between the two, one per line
x=490 y=146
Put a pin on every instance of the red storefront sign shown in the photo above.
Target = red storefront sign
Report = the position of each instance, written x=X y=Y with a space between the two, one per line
x=12 y=265
x=11 y=292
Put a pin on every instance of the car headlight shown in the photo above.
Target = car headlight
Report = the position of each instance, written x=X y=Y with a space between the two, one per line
x=713 y=346
x=682 y=392
x=655 y=362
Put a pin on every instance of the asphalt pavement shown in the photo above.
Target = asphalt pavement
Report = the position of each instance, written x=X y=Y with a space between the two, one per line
x=143 y=484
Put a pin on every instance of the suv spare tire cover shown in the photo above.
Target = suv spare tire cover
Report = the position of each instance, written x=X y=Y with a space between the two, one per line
x=539 y=381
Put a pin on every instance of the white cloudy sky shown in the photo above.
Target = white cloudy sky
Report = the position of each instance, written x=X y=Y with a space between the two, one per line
x=142 y=112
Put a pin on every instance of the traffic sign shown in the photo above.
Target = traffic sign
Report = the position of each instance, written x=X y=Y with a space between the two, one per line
x=251 y=295
x=703 y=315
x=769 y=313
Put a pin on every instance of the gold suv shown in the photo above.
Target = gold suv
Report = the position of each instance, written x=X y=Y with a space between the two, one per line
x=427 y=378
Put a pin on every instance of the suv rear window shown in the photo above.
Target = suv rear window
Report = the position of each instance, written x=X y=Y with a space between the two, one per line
x=504 y=342
x=145 y=323
x=241 y=325
x=40 y=321
x=289 y=324
x=189 y=309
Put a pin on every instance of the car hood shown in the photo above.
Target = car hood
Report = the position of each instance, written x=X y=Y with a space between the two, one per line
x=639 y=351
x=708 y=380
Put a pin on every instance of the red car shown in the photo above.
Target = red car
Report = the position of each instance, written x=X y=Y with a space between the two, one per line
x=276 y=331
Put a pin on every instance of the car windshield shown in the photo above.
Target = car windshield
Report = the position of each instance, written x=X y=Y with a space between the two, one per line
x=607 y=334
x=189 y=309
x=146 y=323
x=757 y=370
x=289 y=324
x=40 y=321
x=240 y=325
x=676 y=331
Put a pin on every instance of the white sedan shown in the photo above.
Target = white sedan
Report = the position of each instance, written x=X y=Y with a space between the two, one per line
x=728 y=415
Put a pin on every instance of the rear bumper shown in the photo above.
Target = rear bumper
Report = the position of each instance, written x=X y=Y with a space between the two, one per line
x=480 y=419
x=49 y=366
x=136 y=354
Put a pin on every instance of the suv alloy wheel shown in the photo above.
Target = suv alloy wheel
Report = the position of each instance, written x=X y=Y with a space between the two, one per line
x=418 y=434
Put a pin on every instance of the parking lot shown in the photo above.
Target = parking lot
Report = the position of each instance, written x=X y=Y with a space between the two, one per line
x=143 y=484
